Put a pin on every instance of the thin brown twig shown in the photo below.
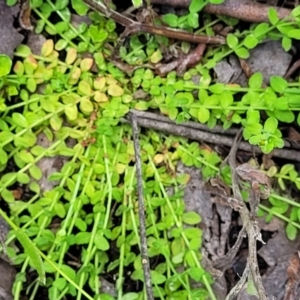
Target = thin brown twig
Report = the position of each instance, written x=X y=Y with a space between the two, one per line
x=202 y=136
x=254 y=200
x=182 y=63
x=235 y=291
x=132 y=26
x=249 y=221
x=245 y=10
x=292 y=69
x=142 y=222
x=195 y=125
x=234 y=175
x=172 y=33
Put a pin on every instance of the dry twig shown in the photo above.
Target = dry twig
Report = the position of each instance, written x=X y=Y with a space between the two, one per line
x=235 y=291
x=195 y=125
x=144 y=253
x=249 y=221
x=132 y=26
x=196 y=132
x=292 y=69
x=182 y=63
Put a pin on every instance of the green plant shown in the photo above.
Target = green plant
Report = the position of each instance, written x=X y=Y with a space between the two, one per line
x=191 y=20
x=282 y=206
x=91 y=206
x=90 y=176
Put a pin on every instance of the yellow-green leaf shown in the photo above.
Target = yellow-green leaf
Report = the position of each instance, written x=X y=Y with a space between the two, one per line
x=7 y=196
x=74 y=75
x=19 y=120
x=86 y=106
x=203 y=114
x=86 y=64
x=71 y=56
x=115 y=90
x=99 y=83
x=71 y=112
x=84 y=88
x=47 y=48
x=100 y=97
x=101 y=242
x=33 y=254
x=56 y=122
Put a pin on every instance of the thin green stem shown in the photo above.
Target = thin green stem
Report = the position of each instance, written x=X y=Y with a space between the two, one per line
x=34 y=291
x=179 y=225
x=200 y=159
x=91 y=249
x=58 y=270
x=36 y=123
x=278 y=215
x=19 y=284
x=120 y=281
x=63 y=293
x=62 y=16
x=170 y=266
x=109 y=184
x=53 y=27
x=96 y=278
x=63 y=248
x=286 y=200
x=210 y=24
x=13 y=177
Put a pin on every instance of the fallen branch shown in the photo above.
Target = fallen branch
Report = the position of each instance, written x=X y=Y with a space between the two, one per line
x=245 y=10
x=195 y=125
x=235 y=291
x=200 y=135
x=249 y=222
x=142 y=218
x=132 y=26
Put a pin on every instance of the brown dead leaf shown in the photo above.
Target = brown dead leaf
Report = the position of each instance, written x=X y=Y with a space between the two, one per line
x=17 y=193
x=293 y=269
x=245 y=67
x=267 y=161
x=249 y=173
x=220 y=187
x=25 y=14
